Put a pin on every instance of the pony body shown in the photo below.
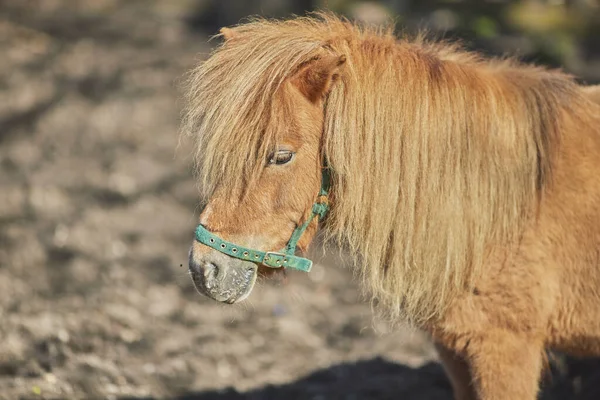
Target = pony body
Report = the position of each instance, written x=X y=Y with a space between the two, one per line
x=467 y=189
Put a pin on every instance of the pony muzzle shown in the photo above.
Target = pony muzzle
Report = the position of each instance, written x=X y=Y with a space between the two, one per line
x=222 y=278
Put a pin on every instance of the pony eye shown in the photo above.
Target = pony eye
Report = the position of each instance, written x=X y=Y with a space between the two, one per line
x=281 y=157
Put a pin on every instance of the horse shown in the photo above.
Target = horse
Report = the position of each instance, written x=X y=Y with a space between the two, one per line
x=466 y=188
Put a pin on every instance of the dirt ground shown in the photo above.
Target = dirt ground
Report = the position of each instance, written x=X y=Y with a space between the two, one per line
x=97 y=210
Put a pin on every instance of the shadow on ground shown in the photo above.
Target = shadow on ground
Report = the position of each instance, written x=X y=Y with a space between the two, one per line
x=369 y=379
x=380 y=379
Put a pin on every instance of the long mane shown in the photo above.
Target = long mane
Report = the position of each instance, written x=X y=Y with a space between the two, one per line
x=437 y=155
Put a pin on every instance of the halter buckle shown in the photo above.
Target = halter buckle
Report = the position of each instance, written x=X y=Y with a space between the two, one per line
x=274 y=259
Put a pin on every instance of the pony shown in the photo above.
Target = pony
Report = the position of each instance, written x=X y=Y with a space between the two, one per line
x=466 y=189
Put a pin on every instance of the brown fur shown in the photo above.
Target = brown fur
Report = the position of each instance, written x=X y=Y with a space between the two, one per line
x=593 y=92
x=468 y=189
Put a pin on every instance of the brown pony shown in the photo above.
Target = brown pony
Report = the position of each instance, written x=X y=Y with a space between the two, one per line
x=468 y=190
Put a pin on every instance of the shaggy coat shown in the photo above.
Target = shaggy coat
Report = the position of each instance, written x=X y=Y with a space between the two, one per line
x=467 y=189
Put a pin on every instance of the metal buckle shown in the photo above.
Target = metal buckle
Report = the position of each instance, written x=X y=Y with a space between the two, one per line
x=275 y=259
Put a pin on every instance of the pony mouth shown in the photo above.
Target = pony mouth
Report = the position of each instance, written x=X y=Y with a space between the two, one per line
x=229 y=291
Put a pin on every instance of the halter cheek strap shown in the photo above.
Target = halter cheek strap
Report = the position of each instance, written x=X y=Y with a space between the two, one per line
x=284 y=258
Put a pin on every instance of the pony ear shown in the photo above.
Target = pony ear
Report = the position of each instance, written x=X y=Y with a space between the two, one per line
x=227 y=33
x=315 y=79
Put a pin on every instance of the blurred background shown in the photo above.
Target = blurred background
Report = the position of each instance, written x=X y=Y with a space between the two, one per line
x=98 y=206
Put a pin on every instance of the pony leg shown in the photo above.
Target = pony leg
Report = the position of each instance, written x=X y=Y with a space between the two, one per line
x=505 y=366
x=457 y=371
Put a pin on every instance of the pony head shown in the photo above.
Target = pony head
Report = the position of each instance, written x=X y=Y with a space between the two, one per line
x=259 y=132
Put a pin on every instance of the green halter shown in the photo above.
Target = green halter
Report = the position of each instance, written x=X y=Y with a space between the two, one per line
x=284 y=258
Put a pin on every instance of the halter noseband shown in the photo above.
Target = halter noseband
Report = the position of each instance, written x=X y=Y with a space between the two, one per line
x=285 y=257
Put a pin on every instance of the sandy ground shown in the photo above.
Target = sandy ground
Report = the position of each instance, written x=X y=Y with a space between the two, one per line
x=97 y=210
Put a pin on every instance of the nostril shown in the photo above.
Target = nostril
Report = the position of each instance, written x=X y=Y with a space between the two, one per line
x=210 y=271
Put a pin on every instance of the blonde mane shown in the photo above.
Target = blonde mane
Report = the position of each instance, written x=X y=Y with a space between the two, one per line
x=437 y=155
